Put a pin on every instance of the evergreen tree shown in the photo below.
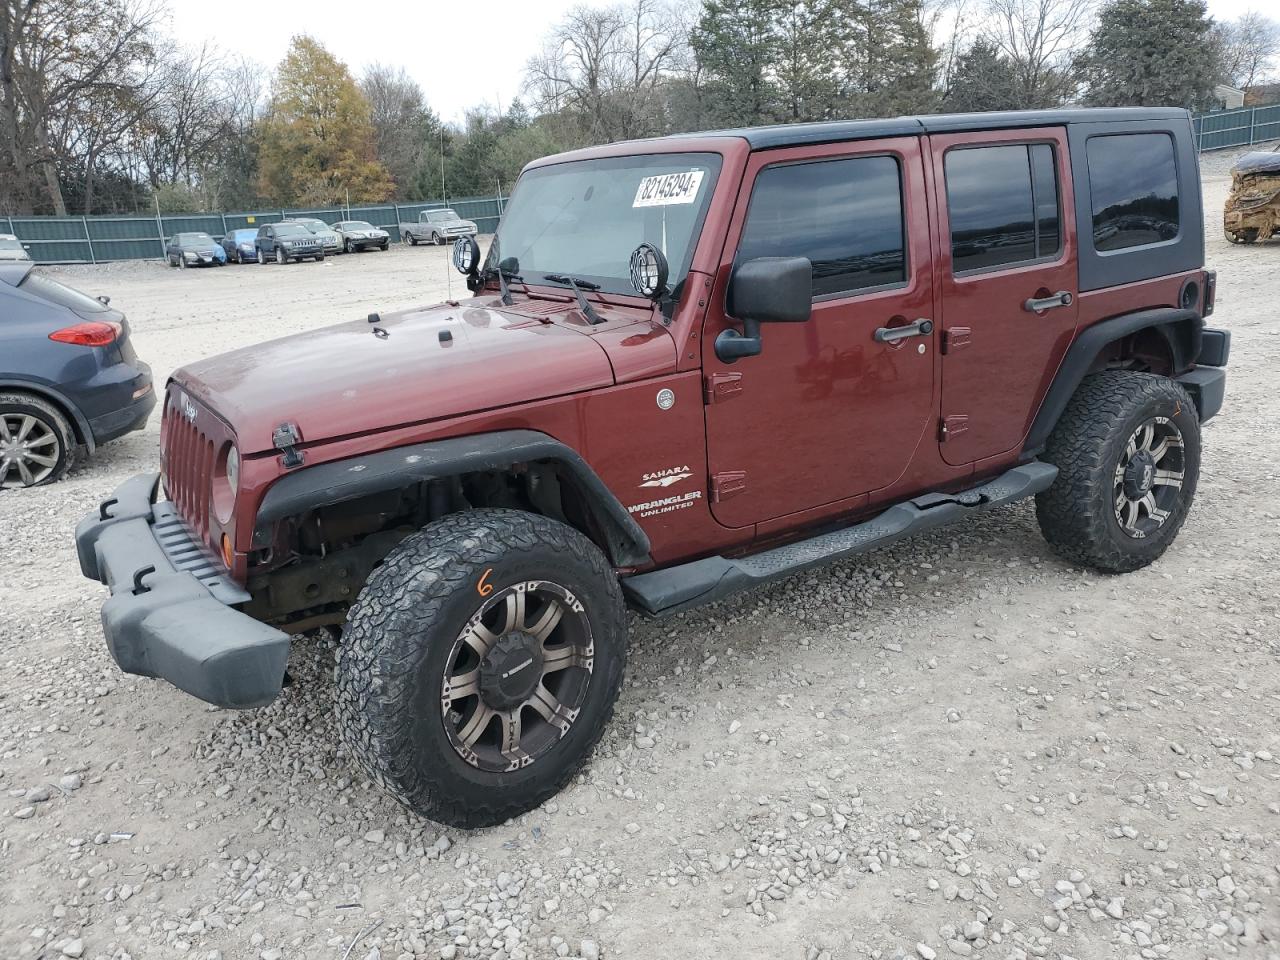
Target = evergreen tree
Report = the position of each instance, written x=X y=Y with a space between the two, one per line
x=1151 y=53
x=316 y=143
x=983 y=79
x=737 y=44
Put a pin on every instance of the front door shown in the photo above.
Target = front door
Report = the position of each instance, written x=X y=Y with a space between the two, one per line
x=1007 y=274
x=827 y=411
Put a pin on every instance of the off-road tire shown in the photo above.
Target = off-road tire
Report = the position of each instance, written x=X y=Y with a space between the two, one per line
x=399 y=636
x=1077 y=514
x=52 y=421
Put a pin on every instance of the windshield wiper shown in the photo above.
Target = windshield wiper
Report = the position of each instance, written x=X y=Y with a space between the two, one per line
x=578 y=287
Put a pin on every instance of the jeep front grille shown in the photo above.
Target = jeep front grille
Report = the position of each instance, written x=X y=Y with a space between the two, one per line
x=187 y=467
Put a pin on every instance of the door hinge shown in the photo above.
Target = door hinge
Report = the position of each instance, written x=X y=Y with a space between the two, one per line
x=952 y=426
x=953 y=338
x=718 y=387
x=286 y=438
x=727 y=484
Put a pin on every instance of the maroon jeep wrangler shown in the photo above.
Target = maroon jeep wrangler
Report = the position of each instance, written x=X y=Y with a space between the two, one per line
x=690 y=365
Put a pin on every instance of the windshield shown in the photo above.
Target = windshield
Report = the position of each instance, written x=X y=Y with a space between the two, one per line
x=442 y=215
x=358 y=225
x=10 y=245
x=290 y=230
x=313 y=225
x=196 y=238
x=245 y=236
x=584 y=218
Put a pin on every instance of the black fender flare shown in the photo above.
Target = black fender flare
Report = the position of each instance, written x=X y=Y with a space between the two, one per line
x=1181 y=329
x=84 y=433
x=340 y=480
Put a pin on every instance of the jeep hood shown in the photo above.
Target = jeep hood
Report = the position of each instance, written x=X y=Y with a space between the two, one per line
x=433 y=362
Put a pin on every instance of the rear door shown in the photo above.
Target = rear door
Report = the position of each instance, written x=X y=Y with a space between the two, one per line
x=1008 y=280
x=827 y=411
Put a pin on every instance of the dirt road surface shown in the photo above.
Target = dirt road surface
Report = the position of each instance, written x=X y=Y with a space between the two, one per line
x=956 y=747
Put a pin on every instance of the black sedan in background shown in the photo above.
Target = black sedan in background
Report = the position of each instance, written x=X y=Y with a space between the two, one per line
x=193 y=250
x=69 y=379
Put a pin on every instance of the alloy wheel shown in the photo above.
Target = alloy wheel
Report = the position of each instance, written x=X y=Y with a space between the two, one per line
x=517 y=676
x=1149 y=477
x=29 y=450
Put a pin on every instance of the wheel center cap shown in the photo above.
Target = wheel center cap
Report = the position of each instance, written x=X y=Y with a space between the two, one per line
x=1139 y=476
x=511 y=671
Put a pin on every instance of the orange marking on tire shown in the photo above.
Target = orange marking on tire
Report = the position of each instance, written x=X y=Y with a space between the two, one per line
x=482 y=588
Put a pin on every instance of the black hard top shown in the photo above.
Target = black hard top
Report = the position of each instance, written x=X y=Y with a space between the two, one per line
x=799 y=134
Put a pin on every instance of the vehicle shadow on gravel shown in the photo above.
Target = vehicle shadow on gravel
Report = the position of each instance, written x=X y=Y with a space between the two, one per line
x=867 y=595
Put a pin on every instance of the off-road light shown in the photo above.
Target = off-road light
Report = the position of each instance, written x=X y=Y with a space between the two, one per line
x=466 y=255
x=649 y=271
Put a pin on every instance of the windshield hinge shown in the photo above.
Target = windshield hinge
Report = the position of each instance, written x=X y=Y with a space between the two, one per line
x=286 y=438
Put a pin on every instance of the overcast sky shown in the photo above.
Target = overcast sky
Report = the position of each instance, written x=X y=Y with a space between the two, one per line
x=461 y=53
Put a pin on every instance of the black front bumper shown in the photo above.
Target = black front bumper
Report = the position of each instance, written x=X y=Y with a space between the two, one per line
x=170 y=613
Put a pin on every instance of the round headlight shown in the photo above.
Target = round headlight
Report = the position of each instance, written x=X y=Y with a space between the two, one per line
x=226 y=483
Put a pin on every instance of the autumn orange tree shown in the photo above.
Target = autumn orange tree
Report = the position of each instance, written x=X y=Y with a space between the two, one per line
x=316 y=142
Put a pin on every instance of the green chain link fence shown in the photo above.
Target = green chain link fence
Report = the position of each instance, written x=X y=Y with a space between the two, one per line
x=99 y=239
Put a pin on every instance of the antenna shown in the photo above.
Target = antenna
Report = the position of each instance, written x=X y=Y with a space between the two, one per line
x=444 y=192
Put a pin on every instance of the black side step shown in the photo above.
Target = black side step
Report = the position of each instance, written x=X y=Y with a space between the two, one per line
x=673 y=589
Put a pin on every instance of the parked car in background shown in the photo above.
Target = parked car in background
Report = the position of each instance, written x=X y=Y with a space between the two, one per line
x=69 y=379
x=239 y=245
x=437 y=226
x=287 y=241
x=322 y=232
x=360 y=235
x=192 y=250
x=11 y=248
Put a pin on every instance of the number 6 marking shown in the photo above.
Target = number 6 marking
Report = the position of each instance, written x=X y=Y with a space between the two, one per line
x=482 y=588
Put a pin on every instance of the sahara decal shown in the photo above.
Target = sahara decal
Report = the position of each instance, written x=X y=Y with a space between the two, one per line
x=665 y=478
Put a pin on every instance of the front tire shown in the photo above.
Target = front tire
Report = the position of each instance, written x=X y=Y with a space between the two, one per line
x=37 y=444
x=480 y=664
x=437 y=239
x=1128 y=454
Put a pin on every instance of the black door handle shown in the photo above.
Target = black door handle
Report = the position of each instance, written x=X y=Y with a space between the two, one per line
x=921 y=328
x=1062 y=298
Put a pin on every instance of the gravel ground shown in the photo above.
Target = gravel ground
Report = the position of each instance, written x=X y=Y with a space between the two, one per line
x=959 y=746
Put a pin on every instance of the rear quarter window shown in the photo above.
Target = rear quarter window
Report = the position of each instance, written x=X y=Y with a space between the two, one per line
x=52 y=291
x=1133 y=189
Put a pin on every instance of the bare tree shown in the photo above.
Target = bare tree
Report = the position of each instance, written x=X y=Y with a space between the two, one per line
x=1249 y=46
x=607 y=65
x=1037 y=36
x=59 y=58
x=403 y=125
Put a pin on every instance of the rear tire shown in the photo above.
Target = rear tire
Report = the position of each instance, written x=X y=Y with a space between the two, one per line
x=1128 y=454
x=468 y=738
x=37 y=444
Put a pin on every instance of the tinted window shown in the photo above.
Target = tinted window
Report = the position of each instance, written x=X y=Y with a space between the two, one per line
x=64 y=296
x=844 y=215
x=1003 y=205
x=1133 y=185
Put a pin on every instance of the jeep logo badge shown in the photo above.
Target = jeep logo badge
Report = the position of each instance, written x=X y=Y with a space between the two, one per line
x=188 y=409
x=666 y=398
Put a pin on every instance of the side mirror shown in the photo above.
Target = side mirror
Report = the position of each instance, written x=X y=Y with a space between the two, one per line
x=104 y=299
x=765 y=290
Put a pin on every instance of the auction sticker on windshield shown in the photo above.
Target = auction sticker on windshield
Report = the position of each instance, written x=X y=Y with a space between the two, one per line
x=668 y=189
